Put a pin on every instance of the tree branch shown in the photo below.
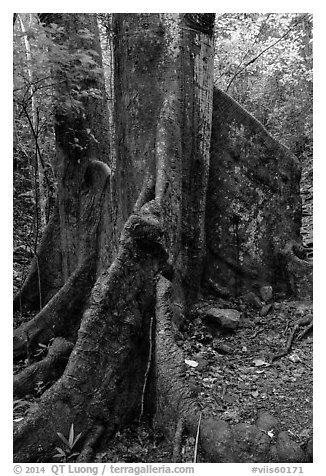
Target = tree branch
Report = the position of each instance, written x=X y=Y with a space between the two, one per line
x=253 y=60
x=35 y=135
x=255 y=40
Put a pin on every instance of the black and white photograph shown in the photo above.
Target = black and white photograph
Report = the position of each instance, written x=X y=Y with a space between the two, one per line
x=162 y=241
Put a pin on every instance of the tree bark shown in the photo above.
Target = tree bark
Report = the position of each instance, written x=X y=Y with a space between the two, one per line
x=81 y=135
x=253 y=207
x=44 y=371
x=132 y=243
x=103 y=380
x=163 y=123
x=110 y=356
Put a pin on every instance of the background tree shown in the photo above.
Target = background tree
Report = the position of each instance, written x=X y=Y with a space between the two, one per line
x=126 y=241
x=33 y=134
x=270 y=55
x=67 y=93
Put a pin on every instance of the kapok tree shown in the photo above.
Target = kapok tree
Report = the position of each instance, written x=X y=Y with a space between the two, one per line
x=126 y=239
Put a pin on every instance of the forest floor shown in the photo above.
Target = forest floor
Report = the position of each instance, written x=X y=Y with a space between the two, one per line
x=238 y=385
x=231 y=374
x=233 y=383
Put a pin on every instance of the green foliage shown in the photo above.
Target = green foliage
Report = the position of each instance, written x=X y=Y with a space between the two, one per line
x=43 y=349
x=56 y=72
x=20 y=409
x=56 y=65
x=22 y=404
x=265 y=62
x=67 y=454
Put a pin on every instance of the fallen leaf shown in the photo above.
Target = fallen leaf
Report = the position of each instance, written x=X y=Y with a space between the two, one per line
x=260 y=362
x=294 y=358
x=191 y=363
x=230 y=415
x=209 y=380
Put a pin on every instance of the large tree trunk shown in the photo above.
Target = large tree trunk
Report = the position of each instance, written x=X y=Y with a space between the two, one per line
x=253 y=207
x=156 y=197
x=81 y=136
x=163 y=124
x=132 y=244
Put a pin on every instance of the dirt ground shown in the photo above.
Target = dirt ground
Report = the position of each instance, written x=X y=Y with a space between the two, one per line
x=237 y=385
x=231 y=374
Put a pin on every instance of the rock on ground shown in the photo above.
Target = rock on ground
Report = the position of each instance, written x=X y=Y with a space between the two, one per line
x=225 y=318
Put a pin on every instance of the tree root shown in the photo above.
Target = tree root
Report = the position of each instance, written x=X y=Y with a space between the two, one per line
x=61 y=315
x=303 y=322
x=174 y=398
x=298 y=269
x=197 y=439
x=44 y=278
x=50 y=368
x=305 y=331
x=103 y=381
x=288 y=345
x=219 y=441
x=86 y=454
x=177 y=441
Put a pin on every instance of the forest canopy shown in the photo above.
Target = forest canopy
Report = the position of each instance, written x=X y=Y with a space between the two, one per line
x=268 y=54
